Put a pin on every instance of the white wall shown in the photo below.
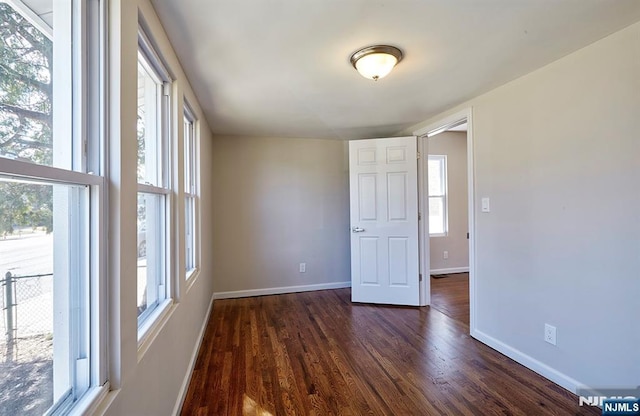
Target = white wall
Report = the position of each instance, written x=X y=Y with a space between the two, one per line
x=148 y=380
x=558 y=153
x=279 y=202
x=454 y=146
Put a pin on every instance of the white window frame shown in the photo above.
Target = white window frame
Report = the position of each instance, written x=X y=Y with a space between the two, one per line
x=442 y=161
x=79 y=113
x=155 y=66
x=191 y=193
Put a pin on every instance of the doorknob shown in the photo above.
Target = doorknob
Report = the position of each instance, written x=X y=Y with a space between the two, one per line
x=357 y=229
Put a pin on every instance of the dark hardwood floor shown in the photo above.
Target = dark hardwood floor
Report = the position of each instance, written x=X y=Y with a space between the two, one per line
x=316 y=353
x=450 y=295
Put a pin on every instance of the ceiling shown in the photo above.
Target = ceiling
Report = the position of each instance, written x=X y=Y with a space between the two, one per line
x=281 y=67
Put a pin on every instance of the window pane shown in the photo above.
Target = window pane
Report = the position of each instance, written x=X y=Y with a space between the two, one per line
x=189 y=209
x=435 y=177
x=436 y=215
x=150 y=251
x=43 y=271
x=26 y=87
x=188 y=155
x=149 y=143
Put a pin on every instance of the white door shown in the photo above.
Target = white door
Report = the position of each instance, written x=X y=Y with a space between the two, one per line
x=383 y=176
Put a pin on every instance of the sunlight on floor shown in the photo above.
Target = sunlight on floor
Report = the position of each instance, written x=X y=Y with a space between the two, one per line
x=251 y=408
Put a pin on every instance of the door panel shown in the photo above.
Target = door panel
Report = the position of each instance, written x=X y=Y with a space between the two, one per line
x=384 y=221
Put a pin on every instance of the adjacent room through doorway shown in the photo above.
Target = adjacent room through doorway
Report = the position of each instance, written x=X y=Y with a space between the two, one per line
x=449 y=222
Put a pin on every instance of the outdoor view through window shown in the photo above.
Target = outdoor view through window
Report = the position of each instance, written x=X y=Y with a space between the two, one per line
x=35 y=216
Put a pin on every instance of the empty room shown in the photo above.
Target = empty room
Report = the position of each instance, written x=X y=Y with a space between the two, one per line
x=418 y=207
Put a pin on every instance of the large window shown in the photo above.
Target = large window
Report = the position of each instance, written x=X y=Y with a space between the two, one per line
x=191 y=176
x=153 y=185
x=51 y=346
x=437 y=195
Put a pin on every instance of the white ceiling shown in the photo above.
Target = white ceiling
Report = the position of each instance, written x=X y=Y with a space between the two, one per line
x=281 y=67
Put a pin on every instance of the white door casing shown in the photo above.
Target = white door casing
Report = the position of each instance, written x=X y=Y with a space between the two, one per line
x=383 y=179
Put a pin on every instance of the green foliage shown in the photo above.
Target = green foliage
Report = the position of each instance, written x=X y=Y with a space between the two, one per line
x=25 y=89
x=24 y=204
x=26 y=57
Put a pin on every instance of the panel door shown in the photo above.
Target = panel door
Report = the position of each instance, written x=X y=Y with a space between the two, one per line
x=383 y=175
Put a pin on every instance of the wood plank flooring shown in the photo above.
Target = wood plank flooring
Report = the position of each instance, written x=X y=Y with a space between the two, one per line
x=450 y=295
x=316 y=353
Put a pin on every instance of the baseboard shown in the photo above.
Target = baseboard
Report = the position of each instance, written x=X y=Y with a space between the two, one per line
x=450 y=270
x=531 y=363
x=192 y=363
x=279 y=290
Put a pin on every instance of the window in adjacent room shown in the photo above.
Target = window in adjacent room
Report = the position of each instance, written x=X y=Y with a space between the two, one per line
x=437 y=195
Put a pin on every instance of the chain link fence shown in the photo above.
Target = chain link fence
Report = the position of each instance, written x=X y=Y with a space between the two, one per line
x=26 y=304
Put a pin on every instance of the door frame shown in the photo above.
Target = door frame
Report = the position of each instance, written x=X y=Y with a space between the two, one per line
x=432 y=129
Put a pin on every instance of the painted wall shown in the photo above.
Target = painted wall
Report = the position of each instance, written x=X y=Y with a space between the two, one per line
x=558 y=153
x=279 y=202
x=454 y=146
x=148 y=380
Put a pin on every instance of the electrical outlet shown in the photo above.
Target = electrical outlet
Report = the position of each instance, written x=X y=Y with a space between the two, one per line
x=445 y=255
x=303 y=267
x=550 y=334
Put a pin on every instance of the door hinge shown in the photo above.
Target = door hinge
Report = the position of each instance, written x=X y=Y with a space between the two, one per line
x=419 y=217
x=418 y=155
x=420 y=276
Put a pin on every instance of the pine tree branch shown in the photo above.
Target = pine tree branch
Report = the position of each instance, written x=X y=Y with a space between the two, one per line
x=6 y=71
x=32 y=115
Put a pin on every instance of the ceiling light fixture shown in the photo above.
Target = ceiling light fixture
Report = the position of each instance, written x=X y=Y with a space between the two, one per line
x=375 y=62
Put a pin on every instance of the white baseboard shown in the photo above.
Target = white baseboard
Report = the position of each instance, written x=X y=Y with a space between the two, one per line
x=450 y=270
x=279 y=290
x=192 y=363
x=531 y=363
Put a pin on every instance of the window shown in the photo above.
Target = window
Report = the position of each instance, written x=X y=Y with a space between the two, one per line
x=437 y=195
x=153 y=185
x=191 y=177
x=50 y=207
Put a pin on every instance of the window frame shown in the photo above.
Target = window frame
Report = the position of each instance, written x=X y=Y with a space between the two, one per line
x=442 y=161
x=191 y=183
x=155 y=66
x=83 y=28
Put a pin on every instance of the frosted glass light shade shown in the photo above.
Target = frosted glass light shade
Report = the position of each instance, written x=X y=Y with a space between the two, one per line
x=375 y=62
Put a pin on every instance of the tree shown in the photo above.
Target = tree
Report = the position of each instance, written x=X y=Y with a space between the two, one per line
x=26 y=57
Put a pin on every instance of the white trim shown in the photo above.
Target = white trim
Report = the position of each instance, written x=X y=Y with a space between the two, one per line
x=149 y=329
x=182 y=394
x=422 y=134
x=423 y=224
x=90 y=401
x=279 y=290
x=444 y=124
x=531 y=363
x=147 y=46
x=152 y=189
x=450 y=270
x=17 y=169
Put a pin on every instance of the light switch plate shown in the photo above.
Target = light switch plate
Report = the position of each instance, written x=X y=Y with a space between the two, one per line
x=486 y=207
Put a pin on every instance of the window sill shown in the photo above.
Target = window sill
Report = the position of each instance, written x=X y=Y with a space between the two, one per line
x=191 y=277
x=438 y=235
x=154 y=323
x=90 y=402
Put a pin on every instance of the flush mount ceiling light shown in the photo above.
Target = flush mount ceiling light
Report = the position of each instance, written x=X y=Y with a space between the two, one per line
x=375 y=62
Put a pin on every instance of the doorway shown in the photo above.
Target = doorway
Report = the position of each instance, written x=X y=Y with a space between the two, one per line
x=447 y=220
